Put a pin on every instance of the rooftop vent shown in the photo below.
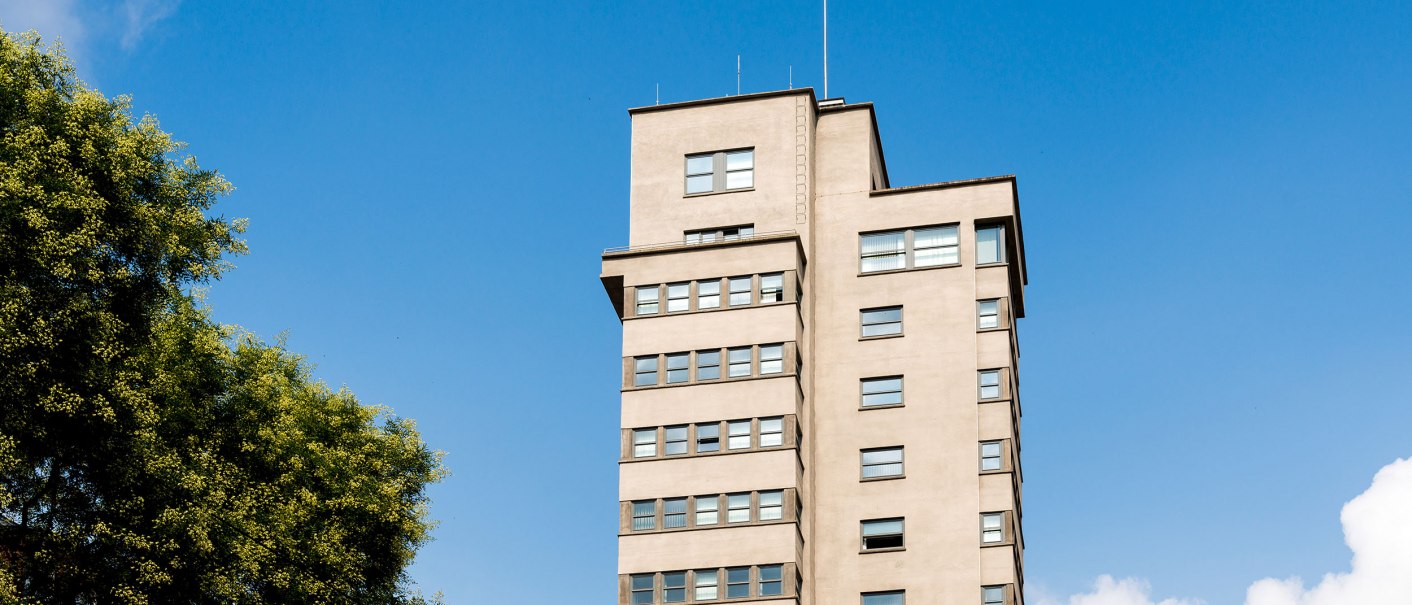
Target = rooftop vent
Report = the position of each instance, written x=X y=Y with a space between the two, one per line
x=834 y=102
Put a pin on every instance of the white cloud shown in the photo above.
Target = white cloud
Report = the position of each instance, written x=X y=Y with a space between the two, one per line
x=1377 y=525
x=1110 y=591
x=140 y=15
x=52 y=18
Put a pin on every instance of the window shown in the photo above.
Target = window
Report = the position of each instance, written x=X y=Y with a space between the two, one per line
x=708 y=365
x=739 y=359
x=771 y=359
x=771 y=432
x=642 y=588
x=673 y=513
x=674 y=443
x=678 y=368
x=706 y=582
x=737 y=582
x=882 y=391
x=992 y=528
x=720 y=171
x=771 y=505
x=708 y=509
x=909 y=249
x=644 y=443
x=706 y=236
x=647 y=300
x=708 y=295
x=738 y=435
x=882 y=462
x=884 y=251
x=882 y=533
x=882 y=322
x=740 y=291
x=993 y=595
x=644 y=515
x=708 y=438
x=990 y=244
x=738 y=508
x=771 y=580
x=772 y=287
x=674 y=587
x=988 y=313
x=989 y=384
x=935 y=246
x=990 y=456
x=895 y=597
x=644 y=371
x=678 y=297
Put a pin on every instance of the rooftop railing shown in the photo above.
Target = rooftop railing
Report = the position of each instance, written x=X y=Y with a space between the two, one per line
x=715 y=242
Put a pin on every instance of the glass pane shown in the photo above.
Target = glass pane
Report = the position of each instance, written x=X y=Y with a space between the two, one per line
x=990 y=378
x=771 y=352
x=676 y=433
x=989 y=307
x=646 y=293
x=877 y=316
x=678 y=290
x=993 y=594
x=771 y=425
x=884 y=263
x=988 y=245
x=882 y=385
x=882 y=399
x=882 y=243
x=882 y=456
x=775 y=280
x=698 y=184
x=676 y=361
x=990 y=449
x=990 y=521
x=882 y=329
x=709 y=302
x=990 y=392
x=698 y=164
x=771 y=572
x=738 y=575
x=707 y=503
x=708 y=287
x=740 y=427
x=771 y=439
x=771 y=498
x=708 y=430
x=740 y=160
x=644 y=508
x=740 y=180
x=936 y=236
x=883 y=598
x=931 y=257
x=878 y=528
x=746 y=231
x=771 y=367
x=989 y=321
x=646 y=364
x=644 y=379
x=991 y=536
x=708 y=372
x=641 y=436
x=882 y=470
x=642 y=581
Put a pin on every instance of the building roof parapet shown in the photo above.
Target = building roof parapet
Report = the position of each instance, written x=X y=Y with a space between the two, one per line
x=620 y=251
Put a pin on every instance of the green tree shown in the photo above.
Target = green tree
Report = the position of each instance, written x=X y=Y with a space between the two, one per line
x=147 y=453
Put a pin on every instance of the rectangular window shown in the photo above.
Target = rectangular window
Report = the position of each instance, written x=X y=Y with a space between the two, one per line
x=642 y=584
x=771 y=432
x=708 y=294
x=894 y=597
x=727 y=234
x=678 y=297
x=708 y=365
x=708 y=438
x=674 y=440
x=935 y=246
x=737 y=582
x=707 y=580
x=882 y=391
x=708 y=510
x=644 y=371
x=738 y=508
x=993 y=595
x=771 y=359
x=740 y=291
x=884 y=251
x=882 y=462
x=647 y=300
x=882 y=322
x=738 y=435
x=739 y=360
x=882 y=533
x=772 y=287
x=674 y=587
x=678 y=367
x=771 y=580
x=992 y=528
x=988 y=313
x=989 y=384
x=644 y=443
x=990 y=244
x=990 y=456
x=644 y=515
x=720 y=171
x=771 y=505
x=674 y=512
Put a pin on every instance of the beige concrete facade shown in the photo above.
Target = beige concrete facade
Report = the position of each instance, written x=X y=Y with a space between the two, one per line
x=747 y=387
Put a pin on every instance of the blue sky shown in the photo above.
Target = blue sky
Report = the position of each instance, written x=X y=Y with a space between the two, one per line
x=1215 y=200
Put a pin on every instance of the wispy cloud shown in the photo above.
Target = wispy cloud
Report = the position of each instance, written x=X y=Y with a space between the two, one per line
x=140 y=15
x=52 y=18
x=1377 y=525
x=1110 y=591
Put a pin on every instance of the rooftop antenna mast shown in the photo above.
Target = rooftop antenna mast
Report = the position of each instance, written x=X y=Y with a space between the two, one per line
x=737 y=75
x=826 y=49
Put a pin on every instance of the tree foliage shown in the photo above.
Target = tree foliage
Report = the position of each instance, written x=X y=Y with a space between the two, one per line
x=147 y=453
